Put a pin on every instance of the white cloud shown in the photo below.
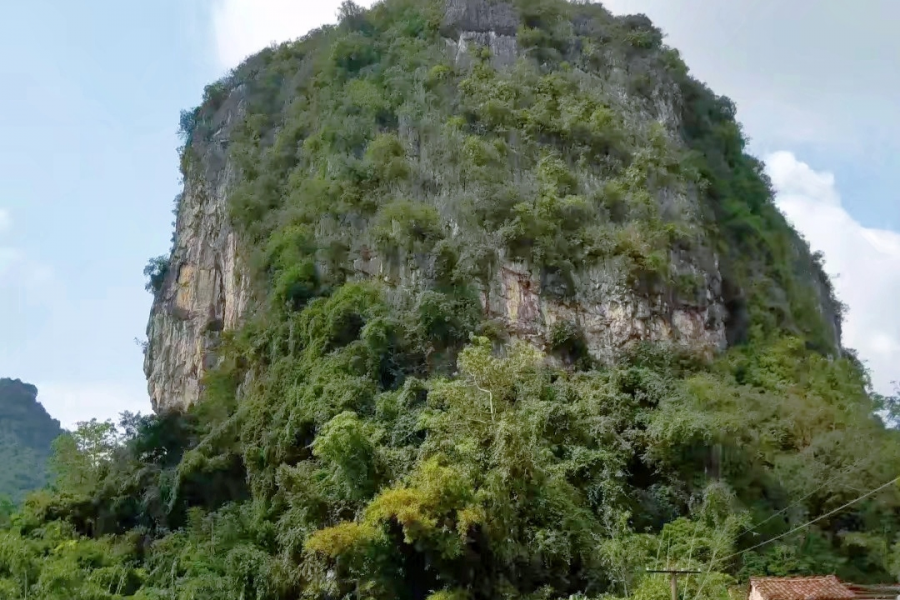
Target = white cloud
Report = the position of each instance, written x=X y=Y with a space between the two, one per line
x=71 y=403
x=244 y=27
x=5 y=220
x=863 y=262
x=828 y=93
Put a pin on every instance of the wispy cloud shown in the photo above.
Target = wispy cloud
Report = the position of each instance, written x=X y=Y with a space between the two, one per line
x=864 y=262
x=20 y=272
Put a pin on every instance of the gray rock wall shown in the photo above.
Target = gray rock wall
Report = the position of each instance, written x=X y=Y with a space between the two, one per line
x=204 y=292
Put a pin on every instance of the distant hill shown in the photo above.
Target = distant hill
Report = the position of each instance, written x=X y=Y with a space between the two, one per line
x=27 y=432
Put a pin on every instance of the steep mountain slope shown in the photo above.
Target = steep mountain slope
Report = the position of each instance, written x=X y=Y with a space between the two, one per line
x=570 y=177
x=26 y=435
x=474 y=299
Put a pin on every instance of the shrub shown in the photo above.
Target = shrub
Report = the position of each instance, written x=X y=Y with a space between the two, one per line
x=156 y=271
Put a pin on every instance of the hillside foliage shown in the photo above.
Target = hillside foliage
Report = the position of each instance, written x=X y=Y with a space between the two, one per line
x=27 y=433
x=364 y=440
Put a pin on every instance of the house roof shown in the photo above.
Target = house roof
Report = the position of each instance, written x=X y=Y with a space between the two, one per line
x=801 y=588
x=874 y=592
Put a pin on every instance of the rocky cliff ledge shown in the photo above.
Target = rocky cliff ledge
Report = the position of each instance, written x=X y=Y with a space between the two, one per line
x=204 y=292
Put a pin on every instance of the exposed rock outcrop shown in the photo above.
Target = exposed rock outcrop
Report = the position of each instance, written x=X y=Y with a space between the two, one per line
x=204 y=292
x=476 y=23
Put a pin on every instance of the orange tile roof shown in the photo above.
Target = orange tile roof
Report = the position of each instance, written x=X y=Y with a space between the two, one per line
x=801 y=588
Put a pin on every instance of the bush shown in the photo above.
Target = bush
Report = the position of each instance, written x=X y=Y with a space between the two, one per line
x=156 y=272
x=407 y=226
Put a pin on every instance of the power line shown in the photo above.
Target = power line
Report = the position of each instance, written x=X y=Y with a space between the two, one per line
x=792 y=505
x=713 y=562
x=816 y=520
x=794 y=530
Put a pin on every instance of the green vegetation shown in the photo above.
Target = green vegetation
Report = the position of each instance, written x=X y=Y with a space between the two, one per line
x=26 y=435
x=510 y=479
x=156 y=271
x=379 y=438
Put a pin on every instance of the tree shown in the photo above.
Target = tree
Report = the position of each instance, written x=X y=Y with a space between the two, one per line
x=79 y=457
x=155 y=272
x=891 y=407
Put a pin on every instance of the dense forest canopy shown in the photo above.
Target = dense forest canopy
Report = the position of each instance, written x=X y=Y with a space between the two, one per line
x=26 y=435
x=366 y=440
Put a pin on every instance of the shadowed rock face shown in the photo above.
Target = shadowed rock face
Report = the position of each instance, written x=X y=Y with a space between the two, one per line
x=474 y=23
x=207 y=291
x=479 y=16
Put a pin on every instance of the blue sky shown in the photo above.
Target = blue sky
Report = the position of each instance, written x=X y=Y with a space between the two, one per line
x=88 y=171
x=88 y=165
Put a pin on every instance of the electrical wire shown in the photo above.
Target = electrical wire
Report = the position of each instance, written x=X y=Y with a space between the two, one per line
x=834 y=478
x=816 y=520
x=794 y=530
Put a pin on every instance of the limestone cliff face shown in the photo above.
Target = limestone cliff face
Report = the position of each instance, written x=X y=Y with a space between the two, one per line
x=206 y=290
x=476 y=22
x=609 y=312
